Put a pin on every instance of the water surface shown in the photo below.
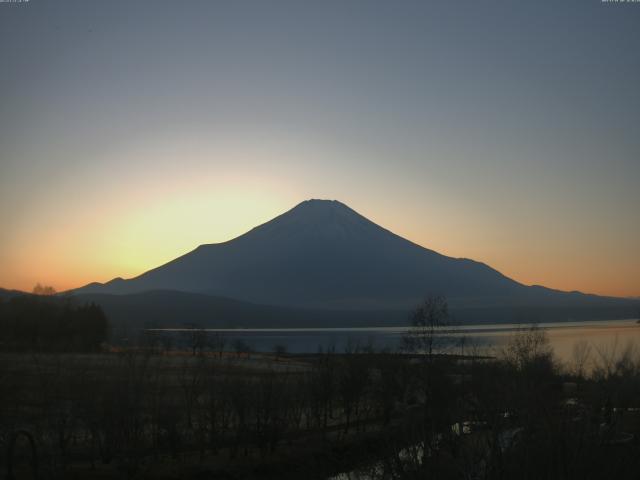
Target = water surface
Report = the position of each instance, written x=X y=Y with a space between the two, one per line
x=598 y=337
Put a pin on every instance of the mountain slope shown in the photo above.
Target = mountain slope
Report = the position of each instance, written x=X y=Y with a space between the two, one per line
x=6 y=294
x=322 y=254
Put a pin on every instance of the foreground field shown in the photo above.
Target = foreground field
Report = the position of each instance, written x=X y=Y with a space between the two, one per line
x=175 y=415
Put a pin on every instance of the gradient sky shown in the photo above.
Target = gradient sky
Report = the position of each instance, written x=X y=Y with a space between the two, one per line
x=507 y=132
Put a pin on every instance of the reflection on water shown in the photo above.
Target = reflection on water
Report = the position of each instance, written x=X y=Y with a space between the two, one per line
x=587 y=341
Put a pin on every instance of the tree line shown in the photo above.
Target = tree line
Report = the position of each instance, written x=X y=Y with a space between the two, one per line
x=50 y=323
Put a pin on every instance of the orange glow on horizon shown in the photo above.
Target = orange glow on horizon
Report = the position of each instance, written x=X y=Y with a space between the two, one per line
x=149 y=215
x=135 y=236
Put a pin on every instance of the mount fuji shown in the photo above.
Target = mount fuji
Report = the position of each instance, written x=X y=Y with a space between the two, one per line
x=321 y=254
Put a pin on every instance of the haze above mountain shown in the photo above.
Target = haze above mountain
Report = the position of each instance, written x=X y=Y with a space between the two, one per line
x=323 y=254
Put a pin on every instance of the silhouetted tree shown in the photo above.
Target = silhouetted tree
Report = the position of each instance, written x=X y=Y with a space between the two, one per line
x=44 y=290
x=241 y=347
x=279 y=350
x=49 y=323
x=427 y=317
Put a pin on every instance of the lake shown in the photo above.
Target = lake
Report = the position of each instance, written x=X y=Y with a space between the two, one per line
x=601 y=338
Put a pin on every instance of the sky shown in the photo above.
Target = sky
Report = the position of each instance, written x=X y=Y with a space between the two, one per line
x=506 y=132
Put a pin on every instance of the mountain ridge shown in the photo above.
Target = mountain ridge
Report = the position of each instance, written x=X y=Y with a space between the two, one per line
x=323 y=254
x=171 y=309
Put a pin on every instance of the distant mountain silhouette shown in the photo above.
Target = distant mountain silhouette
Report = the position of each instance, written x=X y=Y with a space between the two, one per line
x=323 y=254
x=6 y=294
x=165 y=308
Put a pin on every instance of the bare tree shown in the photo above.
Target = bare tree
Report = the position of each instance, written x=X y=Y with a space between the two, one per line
x=427 y=317
x=196 y=340
x=279 y=351
x=526 y=347
x=580 y=354
x=241 y=347
x=166 y=340
x=216 y=343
